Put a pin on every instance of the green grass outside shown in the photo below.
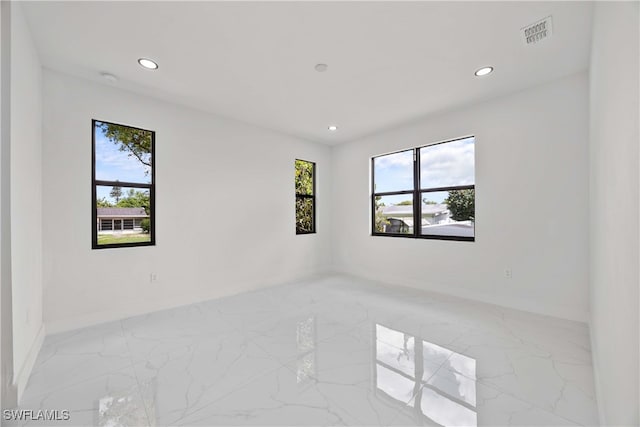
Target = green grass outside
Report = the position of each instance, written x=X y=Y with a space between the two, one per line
x=109 y=239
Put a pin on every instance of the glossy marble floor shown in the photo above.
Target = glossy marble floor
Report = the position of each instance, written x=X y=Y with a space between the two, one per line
x=334 y=351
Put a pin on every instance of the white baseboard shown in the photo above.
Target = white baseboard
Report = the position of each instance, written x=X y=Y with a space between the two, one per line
x=22 y=378
x=9 y=396
x=514 y=303
x=126 y=311
x=596 y=379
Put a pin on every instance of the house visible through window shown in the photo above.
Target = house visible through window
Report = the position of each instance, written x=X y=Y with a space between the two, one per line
x=123 y=188
x=425 y=192
x=305 y=181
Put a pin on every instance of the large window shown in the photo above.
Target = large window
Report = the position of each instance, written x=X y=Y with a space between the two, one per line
x=123 y=187
x=425 y=192
x=305 y=197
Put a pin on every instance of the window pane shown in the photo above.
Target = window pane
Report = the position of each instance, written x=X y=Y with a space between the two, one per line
x=304 y=177
x=390 y=336
x=123 y=215
x=448 y=213
x=445 y=411
x=304 y=215
x=394 y=214
x=393 y=172
x=448 y=164
x=122 y=153
x=401 y=358
x=394 y=384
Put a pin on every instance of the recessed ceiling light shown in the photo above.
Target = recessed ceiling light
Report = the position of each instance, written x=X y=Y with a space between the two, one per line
x=321 y=68
x=109 y=77
x=147 y=63
x=484 y=71
x=333 y=128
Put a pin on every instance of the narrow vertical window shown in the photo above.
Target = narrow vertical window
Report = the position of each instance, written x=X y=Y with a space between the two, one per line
x=305 y=181
x=123 y=187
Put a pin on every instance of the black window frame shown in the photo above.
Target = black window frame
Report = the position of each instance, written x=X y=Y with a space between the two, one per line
x=96 y=182
x=417 y=196
x=308 y=196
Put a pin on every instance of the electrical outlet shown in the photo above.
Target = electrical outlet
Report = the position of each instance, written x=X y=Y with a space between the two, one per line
x=153 y=277
x=508 y=273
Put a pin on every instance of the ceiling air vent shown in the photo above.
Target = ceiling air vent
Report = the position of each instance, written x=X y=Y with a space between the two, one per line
x=537 y=32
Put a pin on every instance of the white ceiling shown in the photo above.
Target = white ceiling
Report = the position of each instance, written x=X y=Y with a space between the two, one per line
x=389 y=62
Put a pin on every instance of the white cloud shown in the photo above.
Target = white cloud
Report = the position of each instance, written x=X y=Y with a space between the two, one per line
x=394 y=171
x=402 y=159
x=442 y=165
x=113 y=164
x=448 y=164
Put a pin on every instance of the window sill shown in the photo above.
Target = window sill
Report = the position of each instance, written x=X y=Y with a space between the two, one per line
x=411 y=236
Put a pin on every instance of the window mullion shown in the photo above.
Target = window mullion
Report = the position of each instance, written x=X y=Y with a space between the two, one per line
x=126 y=184
x=394 y=193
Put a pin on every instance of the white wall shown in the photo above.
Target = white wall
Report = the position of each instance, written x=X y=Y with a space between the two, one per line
x=531 y=163
x=7 y=391
x=614 y=257
x=225 y=220
x=26 y=197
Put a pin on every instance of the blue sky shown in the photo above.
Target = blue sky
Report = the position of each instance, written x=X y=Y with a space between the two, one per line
x=113 y=164
x=442 y=165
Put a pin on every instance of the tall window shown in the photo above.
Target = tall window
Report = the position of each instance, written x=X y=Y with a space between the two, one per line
x=305 y=197
x=123 y=187
x=425 y=192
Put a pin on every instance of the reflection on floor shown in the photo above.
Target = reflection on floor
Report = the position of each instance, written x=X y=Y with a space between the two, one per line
x=335 y=351
x=441 y=383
